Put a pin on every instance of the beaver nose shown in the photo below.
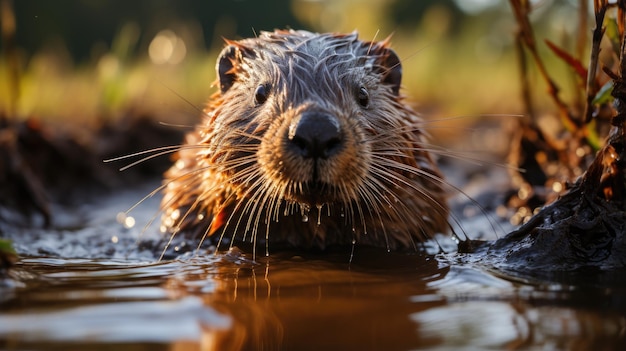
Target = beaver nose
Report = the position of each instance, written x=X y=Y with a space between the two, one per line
x=316 y=135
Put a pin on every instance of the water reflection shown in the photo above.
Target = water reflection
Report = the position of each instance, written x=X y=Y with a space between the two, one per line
x=519 y=325
x=399 y=302
x=295 y=301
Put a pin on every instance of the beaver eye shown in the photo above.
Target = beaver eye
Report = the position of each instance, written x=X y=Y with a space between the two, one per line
x=363 y=97
x=260 y=94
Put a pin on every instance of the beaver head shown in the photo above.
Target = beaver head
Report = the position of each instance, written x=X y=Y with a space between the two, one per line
x=305 y=121
x=306 y=102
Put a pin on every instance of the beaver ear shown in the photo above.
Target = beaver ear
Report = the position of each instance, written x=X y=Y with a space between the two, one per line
x=391 y=69
x=228 y=63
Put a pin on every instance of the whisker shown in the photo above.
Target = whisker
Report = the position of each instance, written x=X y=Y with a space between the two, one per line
x=178 y=224
x=167 y=246
x=391 y=175
x=437 y=180
x=417 y=51
x=372 y=42
x=159 y=149
x=197 y=109
x=441 y=209
x=453 y=118
x=157 y=152
x=375 y=202
x=466 y=156
x=419 y=125
x=243 y=198
x=163 y=186
x=178 y=126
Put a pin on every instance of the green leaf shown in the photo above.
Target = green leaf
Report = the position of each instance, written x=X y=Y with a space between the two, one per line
x=6 y=247
x=604 y=94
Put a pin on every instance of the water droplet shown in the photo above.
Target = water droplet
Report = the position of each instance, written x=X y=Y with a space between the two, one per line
x=319 y=214
x=304 y=211
x=120 y=217
x=168 y=222
x=125 y=220
x=129 y=222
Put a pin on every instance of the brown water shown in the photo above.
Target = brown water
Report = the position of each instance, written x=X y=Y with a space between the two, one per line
x=116 y=297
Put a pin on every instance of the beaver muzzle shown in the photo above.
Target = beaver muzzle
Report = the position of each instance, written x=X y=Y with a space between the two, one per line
x=316 y=135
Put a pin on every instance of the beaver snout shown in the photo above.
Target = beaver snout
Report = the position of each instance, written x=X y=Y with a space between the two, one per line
x=316 y=135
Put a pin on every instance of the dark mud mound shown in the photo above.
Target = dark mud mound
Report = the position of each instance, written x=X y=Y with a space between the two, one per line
x=41 y=165
x=578 y=230
x=587 y=225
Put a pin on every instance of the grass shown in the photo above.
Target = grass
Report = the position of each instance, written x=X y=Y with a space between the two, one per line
x=468 y=72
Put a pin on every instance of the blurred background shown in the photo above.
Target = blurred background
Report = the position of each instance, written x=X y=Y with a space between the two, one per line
x=86 y=60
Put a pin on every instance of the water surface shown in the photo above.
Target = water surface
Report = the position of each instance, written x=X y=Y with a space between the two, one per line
x=85 y=285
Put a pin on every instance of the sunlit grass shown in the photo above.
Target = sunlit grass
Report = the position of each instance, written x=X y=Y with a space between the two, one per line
x=437 y=74
x=470 y=73
x=110 y=88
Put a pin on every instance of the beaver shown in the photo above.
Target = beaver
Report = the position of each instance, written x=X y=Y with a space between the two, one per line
x=309 y=143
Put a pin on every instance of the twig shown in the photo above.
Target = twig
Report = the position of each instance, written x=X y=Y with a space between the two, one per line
x=599 y=7
x=525 y=84
x=521 y=9
x=619 y=89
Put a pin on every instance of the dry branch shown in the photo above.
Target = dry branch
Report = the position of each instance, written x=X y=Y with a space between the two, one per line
x=586 y=227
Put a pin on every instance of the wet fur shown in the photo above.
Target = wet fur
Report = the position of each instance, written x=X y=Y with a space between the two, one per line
x=235 y=178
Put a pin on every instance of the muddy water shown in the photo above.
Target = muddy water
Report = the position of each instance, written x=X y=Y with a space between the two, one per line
x=85 y=285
